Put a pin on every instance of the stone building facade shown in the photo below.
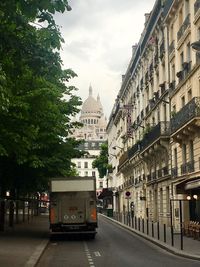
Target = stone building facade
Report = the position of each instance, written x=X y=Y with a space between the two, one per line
x=159 y=100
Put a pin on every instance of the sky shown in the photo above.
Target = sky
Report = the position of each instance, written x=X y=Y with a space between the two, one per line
x=99 y=35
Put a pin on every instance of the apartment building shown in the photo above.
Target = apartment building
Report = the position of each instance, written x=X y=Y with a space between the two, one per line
x=154 y=127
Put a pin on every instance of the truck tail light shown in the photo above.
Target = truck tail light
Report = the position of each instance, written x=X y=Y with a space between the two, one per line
x=93 y=214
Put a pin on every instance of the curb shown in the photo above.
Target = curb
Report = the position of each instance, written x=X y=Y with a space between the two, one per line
x=168 y=248
x=35 y=257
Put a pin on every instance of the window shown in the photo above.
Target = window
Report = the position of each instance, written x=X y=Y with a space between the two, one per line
x=101 y=184
x=86 y=173
x=175 y=157
x=191 y=150
x=93 y=173
x=161 y=200
x=79 y=164
x=184 y=150
x=182 y=101
x=167 y=200
x=180 y=17
x=189 y=95
x=187 y=8
x=173 y=73
x=85 y=164
x=188 y=52
x=181 y=59
x=172 y=33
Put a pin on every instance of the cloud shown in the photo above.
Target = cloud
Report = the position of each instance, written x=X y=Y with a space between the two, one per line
x=99 y=35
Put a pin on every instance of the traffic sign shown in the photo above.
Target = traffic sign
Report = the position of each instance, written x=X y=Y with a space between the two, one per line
x=128 y=194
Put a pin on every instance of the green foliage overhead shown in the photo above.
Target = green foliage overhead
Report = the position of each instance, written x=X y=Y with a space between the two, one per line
x=36 y=102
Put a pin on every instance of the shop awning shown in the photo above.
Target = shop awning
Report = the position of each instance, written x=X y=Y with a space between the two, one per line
x=192 y=184
x=186 y=184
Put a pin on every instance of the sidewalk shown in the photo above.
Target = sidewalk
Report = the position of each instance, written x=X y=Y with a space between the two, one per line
x=191 y=247
x=22 y=245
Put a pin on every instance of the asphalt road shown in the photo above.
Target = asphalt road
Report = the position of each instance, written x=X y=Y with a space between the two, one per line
x=113 y=246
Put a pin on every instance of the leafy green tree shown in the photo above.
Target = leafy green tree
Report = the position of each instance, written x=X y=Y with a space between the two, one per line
x=36 y=104
x=101 y=162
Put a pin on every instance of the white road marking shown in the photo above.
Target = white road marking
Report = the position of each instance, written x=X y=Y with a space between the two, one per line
x=97 y=254
x=88 y=255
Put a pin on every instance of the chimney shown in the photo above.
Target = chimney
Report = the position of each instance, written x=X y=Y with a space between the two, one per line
x=134 y=47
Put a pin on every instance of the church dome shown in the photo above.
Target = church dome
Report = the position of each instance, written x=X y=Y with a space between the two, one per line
x=90 y=105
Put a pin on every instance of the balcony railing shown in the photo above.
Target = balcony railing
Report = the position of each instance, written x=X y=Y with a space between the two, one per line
x=183 y=27
x=134 y=149
x=123 y=159
x=161 y=129
x=174 y=172
x=196 y=6
x=187 y=113
x=187 y=167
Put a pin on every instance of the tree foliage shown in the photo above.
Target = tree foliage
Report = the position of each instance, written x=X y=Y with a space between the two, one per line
x=36 y=104
x=101 y=162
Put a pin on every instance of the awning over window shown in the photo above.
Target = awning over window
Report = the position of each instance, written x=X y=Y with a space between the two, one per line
x=192 y=184
x=185 y=185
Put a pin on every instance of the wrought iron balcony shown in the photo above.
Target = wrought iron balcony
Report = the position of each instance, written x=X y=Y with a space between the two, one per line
x=148 y=177
x=196 y=6
x=159 y=173
x=187 y=167
x=134 y=149
x=123 y=159
x=186 y=114
x=162 y=172
x=160 y=130
x=174 y=172
x=153 y=176
x=183 y=27
x=171 y=47
x=165 y=170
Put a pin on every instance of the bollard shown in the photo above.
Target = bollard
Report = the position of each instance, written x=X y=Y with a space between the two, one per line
x=147 y=227
x=158 y=230
x=139 y=224
x=172 y=236
x=164 y=232
x=143 y=225
x=152 y=226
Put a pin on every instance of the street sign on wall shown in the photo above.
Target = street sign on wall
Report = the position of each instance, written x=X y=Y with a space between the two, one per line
x=127 y=195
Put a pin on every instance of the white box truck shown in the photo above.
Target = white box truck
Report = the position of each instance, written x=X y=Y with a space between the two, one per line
x=73 y=205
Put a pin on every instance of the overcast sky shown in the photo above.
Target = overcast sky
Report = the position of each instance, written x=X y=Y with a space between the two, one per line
x=99 y=35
